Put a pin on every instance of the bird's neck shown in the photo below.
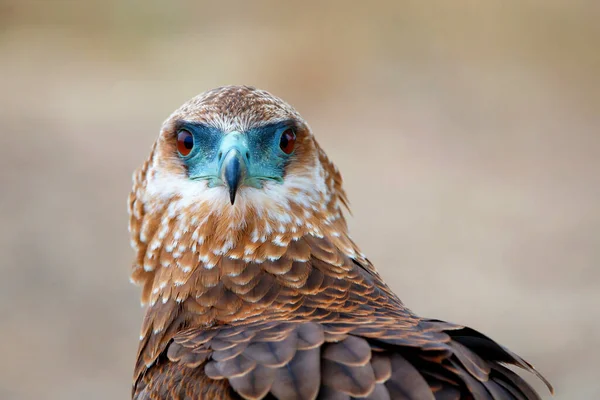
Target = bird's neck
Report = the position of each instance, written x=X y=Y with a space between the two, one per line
x=191 y=250
x=209 y=271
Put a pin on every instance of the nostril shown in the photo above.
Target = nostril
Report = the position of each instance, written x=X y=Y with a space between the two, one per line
x=220 y=155
x=247 y=155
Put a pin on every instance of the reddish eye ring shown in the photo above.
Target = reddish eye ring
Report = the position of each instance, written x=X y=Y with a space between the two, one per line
x=287 y=141
x=185 y=142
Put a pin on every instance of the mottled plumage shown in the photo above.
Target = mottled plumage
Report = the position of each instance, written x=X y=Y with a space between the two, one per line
x=254 y=288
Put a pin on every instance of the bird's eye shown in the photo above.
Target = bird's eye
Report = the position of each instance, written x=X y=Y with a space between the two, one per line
x=185 y=142
x=287 y=141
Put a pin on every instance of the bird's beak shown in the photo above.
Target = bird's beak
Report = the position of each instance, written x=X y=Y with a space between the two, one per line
x=233 y=165
x=233 y=172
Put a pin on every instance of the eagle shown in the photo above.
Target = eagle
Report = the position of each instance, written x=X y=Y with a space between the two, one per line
x=253 y=287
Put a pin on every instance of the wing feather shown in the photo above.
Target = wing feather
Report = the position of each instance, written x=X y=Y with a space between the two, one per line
x=306 y=360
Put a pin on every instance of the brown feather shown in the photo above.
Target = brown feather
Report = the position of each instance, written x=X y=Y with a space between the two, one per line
x=270 y=297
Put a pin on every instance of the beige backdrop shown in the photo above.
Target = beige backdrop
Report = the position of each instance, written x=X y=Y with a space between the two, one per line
x=468 y=136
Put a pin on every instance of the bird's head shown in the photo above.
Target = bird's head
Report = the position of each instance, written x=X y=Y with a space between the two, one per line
x=236 y=173
x=237 y=143
x=238 y=150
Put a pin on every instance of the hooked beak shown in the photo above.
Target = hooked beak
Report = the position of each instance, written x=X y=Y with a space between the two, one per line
x=233 y=172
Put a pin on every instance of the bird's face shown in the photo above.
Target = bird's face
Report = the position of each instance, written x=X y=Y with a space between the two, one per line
x=239 y=158
x=238 y=152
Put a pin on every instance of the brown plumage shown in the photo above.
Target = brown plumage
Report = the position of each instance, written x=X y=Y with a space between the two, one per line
x=269 y=297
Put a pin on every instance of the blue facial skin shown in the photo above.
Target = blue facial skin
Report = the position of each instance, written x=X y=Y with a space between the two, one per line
x=234 y=158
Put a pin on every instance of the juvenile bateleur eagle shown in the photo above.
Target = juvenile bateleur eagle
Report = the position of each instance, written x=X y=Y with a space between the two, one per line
x=253 y=287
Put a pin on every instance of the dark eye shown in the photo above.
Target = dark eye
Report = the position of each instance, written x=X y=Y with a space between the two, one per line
x=287 y=141
x=185 y=142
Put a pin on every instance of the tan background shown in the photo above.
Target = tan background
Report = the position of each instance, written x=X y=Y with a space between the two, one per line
x=468 y=136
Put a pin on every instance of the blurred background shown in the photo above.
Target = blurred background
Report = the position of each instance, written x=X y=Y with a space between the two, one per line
x=467 y=133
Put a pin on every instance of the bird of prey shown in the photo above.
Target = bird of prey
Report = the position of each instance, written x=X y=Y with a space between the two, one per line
x=253 y=287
